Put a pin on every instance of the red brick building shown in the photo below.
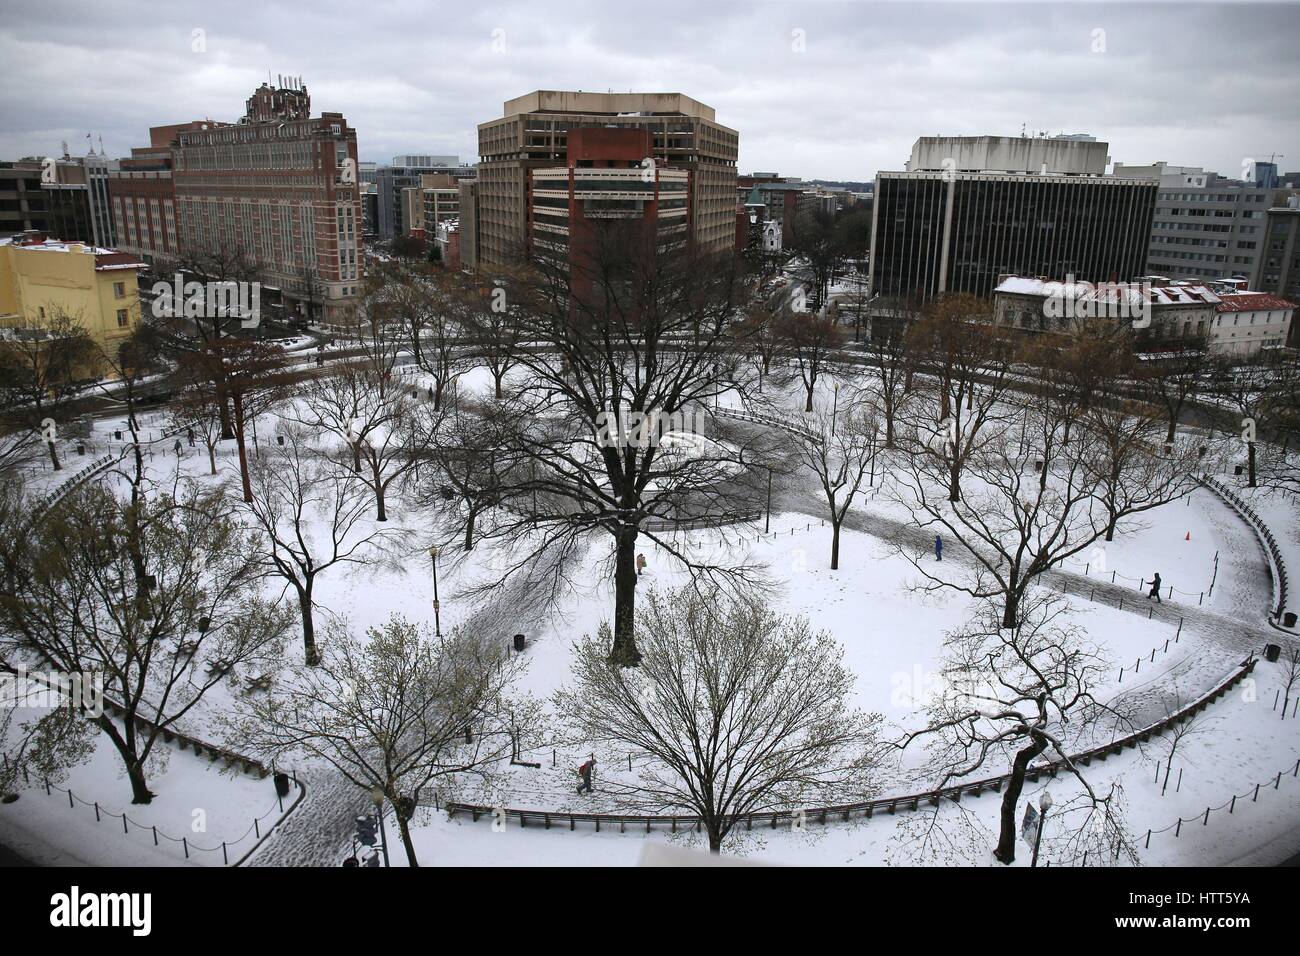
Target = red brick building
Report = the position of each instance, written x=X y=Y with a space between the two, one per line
x=279 y=186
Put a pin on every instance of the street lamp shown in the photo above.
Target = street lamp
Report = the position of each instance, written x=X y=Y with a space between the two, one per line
x=437 y=620
x=835 y=409
x=1044 y=805
x=377 y=798
x=767 y=521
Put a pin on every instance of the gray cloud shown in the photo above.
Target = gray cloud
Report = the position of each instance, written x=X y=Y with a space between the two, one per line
x=1189 y=83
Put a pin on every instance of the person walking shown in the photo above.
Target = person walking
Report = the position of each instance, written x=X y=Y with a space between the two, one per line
x=1155 y=589
x=938 y=547
x=640 y=564
x=176 y=447
x=585 y=773
x=189 y=434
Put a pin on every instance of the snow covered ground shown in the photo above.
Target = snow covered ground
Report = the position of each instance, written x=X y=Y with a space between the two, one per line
x=892 y=636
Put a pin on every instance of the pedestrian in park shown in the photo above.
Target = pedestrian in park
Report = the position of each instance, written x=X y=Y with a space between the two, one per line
x=640 y=564
x=938 y=547
x=1155 y=589
x=585 y=773
x=176 y=447
x=189 y=434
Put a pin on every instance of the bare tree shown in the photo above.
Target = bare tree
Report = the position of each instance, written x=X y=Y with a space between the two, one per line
x=619 y=344
x=312 y=518
x=43 y=367
x=69 y=597
x=840 y=458
x=400 y=711
x=1010 y=695
x=1175 y=379
x=1131 y=470
x=737 y=710
x=1014 y=525
x=807 y=342
x=971 y=366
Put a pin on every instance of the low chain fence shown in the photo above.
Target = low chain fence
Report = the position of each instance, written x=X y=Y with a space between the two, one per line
x=256 y=832
x=864 y=809
x=1252 y=792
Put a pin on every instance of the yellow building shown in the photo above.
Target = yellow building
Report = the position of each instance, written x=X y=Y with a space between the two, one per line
x=42 y=278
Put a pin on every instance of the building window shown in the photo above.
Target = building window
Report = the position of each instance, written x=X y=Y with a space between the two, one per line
x=122 y=319
x=119 y=290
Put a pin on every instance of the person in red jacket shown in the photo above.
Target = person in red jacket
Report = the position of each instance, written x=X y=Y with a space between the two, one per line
x=585 y=773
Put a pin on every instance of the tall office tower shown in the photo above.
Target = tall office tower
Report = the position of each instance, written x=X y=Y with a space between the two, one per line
x=971 y=208
x=281 y=187
x=533 y=133
x=393 y=180
x=603 y=182
x=23 y=204
x=77 y=198
x=1278 y=270
x=1207 y=226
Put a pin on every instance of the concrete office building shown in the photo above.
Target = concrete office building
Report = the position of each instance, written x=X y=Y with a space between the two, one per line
x=435 y=200
x=533 y=134
x=392 y=180
x=969 y=209
x=23 y=204
x=1278 y=269
x=1207 y=226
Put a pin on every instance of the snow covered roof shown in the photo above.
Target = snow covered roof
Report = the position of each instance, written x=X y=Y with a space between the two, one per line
x=1132 y=292
x=1251 y=302
x=105 y=259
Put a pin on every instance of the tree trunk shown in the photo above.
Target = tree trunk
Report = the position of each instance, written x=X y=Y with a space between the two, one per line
x=624 y=652
x=1250 y=463
x=54 y=455
x=1006 y=850
x=243 y=451
x=808 y=405
x=1169 y=433
x=212 y=458
x=954 y=482
x=469 y=531
x=1011 y=608
x=715 y=839
x=404 y=827
x=381 y=505
x=835 y=546
x=124 y=742
x=500 y=392
x=310 y=652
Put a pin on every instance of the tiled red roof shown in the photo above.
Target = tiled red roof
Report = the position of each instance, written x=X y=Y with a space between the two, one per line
x=1251 y=302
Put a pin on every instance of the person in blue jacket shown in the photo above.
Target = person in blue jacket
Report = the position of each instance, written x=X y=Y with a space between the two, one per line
x=938 y=548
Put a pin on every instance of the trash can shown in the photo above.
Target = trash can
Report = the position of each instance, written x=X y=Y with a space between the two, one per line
x=1271 y=652
x=1288 y=619
x=1239 y=470
x=281 y=783
x=521 y=641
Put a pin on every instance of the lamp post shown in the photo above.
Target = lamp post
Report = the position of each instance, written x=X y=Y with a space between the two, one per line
x=377 y=798
x=437 y=619
x=1044 y=805
x=767 y=520
x=835 y=408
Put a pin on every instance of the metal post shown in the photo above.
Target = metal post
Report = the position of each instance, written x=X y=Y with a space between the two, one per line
x=437 y=617
x=767 y=521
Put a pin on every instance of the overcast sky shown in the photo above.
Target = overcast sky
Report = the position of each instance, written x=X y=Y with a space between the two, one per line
x=833 y=90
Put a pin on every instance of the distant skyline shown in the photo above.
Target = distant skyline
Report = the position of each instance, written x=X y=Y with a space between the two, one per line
x=819 y=90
